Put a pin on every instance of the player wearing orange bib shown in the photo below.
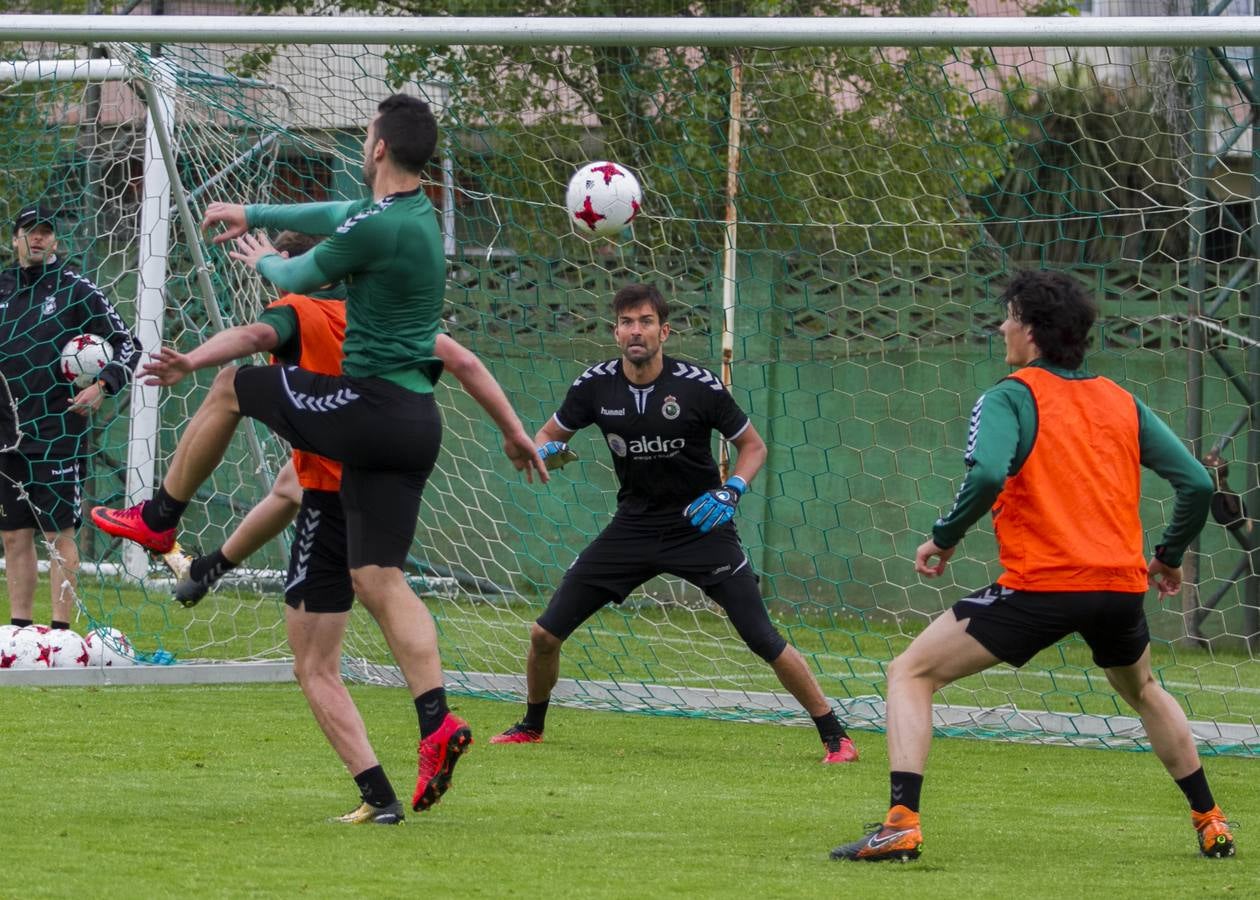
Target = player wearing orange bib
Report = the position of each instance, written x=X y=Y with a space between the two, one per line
x=1055 y=455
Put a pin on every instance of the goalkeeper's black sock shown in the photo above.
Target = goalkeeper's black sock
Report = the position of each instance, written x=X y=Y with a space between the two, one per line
x=21 y=623
x=210 y=568
x=163 y=511
x=375 y=788
x=535 y=715
x=432 y=709
x=904 y=790
x=829 y=726
x=59 y=626
x=1196 y=789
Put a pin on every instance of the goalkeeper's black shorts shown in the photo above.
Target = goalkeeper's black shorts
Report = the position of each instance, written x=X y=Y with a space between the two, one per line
x=1017 y=625
x=319 y=576
x=38 y=493
x=385 y=436
x=634 y=549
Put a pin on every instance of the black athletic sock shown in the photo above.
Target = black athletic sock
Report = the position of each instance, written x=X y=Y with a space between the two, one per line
x=163 y=511
x=1196 y=789
x=375 y=788
x=535 y=715
x=21 y=623
x=432 y=709
x=59 y=626
x=829 y=726
x=904 y=790
x=210 y=568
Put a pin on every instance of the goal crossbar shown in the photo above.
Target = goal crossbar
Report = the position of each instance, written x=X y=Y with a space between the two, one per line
x=1004 y=31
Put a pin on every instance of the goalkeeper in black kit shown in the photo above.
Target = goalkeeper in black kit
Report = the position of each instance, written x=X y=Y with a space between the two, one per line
x=657 y=415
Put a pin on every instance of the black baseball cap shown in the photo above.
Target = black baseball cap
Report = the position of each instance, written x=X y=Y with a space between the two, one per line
x=34 y=214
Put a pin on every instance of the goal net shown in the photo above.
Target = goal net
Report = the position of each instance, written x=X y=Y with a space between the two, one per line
x=836 y=220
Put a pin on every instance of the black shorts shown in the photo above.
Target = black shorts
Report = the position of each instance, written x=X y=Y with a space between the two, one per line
x=386 y=437
x=1017 y=625
x=319 y=576
x=635 y=549
x=43 y=494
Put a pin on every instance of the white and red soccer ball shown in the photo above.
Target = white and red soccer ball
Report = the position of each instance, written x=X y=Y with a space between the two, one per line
x=68 y=649
x=108 y=647
x=83 y=358
x=24 y=648
x=603 y=199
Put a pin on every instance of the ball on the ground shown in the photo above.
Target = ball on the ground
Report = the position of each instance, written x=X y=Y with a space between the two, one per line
x=68 y=649
x=108 y=647
x=83 y=358
x=26 y=648
x=603 y=199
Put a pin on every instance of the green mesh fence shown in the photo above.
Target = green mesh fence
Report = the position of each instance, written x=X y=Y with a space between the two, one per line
x=883 y=195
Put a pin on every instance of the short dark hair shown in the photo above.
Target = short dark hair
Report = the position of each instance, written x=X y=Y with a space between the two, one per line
x=1058 y=309
x=295 y=243
x=633 y=295
x=409 y=130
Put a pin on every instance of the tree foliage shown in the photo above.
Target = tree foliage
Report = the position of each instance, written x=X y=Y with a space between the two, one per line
x=846 y=149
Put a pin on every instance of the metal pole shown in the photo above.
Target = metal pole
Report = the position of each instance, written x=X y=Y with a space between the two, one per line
x=730 y=258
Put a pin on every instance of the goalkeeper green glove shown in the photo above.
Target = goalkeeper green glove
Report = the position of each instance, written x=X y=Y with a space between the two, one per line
x=556 y=455
x=716 y=507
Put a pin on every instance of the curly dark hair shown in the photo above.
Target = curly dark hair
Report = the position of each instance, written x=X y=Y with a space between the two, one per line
x=1058 y=309
x=295 y=243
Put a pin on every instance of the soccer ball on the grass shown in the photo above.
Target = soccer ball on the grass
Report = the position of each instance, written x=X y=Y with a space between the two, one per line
x=6 y=635
x=68 y=649
x=108 y=647
x=25 y=648
x=603 y=199
x=83 y=357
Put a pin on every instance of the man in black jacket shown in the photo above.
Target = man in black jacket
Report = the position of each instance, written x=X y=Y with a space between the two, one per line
x=43 y=416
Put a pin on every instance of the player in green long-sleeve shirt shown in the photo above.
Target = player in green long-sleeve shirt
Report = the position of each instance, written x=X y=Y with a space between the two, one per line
x=1055 y=454
x=379 y=418
x=1003 y=430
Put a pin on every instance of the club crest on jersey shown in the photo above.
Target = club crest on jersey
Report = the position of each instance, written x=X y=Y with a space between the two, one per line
x=50 y=304
x=670 y=408
x=617 y=444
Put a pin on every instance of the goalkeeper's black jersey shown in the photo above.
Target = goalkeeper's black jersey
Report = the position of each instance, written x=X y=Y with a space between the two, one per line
x=660 y=434
x=41 y=308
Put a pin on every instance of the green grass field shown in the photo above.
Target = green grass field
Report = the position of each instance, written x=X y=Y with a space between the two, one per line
x=224 y=792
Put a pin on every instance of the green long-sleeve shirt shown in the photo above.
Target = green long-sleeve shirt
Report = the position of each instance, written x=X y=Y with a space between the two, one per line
x=1001 y=434
x=389 y=254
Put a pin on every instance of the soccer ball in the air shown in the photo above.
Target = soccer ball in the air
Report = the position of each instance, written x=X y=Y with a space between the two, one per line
x=108 y=647
x=603 y=199
x=83 y=357
x=68 y=649
x=25 y=648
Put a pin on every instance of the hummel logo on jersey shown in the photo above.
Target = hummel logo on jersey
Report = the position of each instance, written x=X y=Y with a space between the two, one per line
x=604 y=368
x=612 y=412
x=720 y=569
x=360 y=216
x=704 y=376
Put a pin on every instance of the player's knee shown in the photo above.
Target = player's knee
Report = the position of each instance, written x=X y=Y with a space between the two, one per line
x=542 y=641
x=223 y=390
x=374 y=583
x=311 y=671
x=767 y=643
